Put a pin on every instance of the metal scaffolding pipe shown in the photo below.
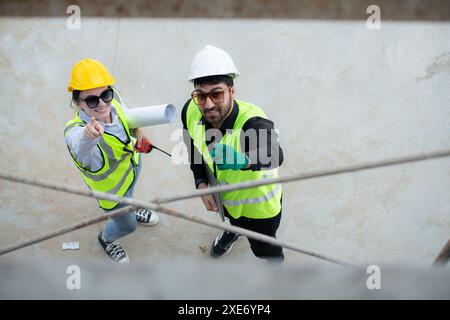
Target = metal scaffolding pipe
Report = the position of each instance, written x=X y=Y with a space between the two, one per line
x=144 y=204
x=55 y=233
x=444 y=255
x=155 y=204
x=304 y=176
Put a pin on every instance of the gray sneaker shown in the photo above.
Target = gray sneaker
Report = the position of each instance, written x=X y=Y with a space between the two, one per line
x=114 y=250
x=146 y=217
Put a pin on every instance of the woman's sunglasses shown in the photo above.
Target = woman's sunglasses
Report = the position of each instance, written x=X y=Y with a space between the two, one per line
x=106 y=96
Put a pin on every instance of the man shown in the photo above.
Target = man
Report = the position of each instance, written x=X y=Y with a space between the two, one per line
x=101 y=144
x=237 y=142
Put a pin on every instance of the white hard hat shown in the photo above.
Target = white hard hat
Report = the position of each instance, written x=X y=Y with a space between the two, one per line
x=212 y=61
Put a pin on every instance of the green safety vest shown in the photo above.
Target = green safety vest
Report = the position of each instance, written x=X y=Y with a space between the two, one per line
x=257 y=203
x=119 y=160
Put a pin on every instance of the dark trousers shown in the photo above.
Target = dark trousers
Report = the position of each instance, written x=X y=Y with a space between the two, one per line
x=268 y=227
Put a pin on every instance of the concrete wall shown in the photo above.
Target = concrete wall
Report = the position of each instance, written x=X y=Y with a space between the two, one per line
x=339 y=93
x=434 y=10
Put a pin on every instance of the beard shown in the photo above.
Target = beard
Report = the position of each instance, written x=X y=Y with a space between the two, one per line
x=216 y=114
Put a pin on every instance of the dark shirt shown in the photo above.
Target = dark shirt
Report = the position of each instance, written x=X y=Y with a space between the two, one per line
x=264 y=153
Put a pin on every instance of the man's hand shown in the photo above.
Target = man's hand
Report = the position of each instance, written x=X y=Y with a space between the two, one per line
x=227 y=158
x=208 y=200
x=93 y=129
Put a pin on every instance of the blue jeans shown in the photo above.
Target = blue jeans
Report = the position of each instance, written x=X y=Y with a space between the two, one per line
x=123 y=225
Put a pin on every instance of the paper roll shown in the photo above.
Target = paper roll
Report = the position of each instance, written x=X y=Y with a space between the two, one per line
x=151 y=115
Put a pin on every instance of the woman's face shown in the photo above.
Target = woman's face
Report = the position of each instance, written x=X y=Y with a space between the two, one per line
x=102 y=111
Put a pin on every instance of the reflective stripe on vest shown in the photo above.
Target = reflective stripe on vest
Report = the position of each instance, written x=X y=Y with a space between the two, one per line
x=117 y=174
x=257 y=203
x=261 y=199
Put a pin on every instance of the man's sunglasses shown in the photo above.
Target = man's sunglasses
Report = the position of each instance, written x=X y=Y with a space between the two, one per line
x=201 y=97
x=106 y=96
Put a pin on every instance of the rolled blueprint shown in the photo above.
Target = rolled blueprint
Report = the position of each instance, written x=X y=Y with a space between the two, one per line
x=151 y=115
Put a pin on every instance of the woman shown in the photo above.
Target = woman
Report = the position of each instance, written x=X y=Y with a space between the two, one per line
x=102 y=147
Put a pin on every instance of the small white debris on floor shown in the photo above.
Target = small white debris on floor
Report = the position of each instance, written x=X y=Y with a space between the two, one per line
x=71 y=245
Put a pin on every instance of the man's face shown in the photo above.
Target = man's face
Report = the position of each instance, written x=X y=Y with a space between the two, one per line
x=103 y=109
x=214 y=101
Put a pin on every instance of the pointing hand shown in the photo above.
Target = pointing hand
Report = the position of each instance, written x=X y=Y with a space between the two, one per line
x=93 y=129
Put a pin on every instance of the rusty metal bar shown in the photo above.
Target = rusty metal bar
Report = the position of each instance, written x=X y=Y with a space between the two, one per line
x=155 y=204
x=75 y=226
x=304 y=176
x=444 y=255
x=168 y=211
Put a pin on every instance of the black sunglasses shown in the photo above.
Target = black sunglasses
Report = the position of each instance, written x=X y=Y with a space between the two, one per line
x=106 y=96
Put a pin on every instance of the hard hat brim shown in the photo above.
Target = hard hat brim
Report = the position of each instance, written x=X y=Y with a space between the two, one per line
x=105 y=84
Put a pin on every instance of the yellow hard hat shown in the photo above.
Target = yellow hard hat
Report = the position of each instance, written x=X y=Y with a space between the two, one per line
x=89 y=74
